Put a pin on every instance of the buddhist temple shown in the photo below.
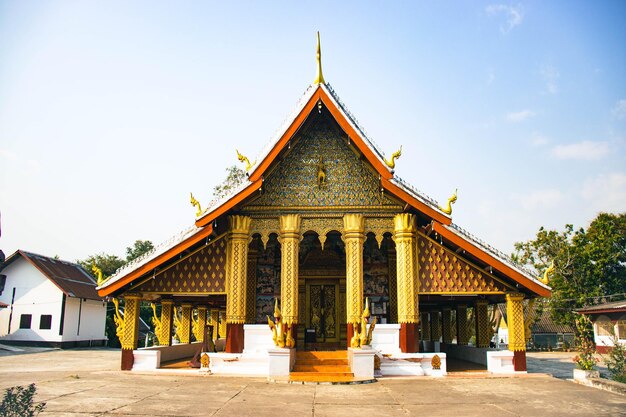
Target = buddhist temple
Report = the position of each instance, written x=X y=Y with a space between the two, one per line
x=322 y=229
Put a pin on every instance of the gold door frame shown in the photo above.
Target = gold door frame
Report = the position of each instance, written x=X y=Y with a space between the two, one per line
x=326 y=283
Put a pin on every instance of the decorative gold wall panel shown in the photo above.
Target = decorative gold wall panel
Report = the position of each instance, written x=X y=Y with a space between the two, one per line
x=425 y=326
x=199 y=324
x=435 y=326
x=290 y=243
x=483 y=326
x=264 y=227
x=515 y=321
x=443 y=271
x=322 y=226
x=446 y=322
x=130 y=335
x=215 y=323
x=251 y=287
x=379 y=226
x=349 y=182
x=201 y=272
x=185 y=330
x=393 y=288
x=462 y=332
x=165 y=335
x=237 y=268
x=407 y=278
x=354 y=236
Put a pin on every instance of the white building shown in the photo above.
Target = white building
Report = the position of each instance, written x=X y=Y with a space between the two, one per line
x=49 y=302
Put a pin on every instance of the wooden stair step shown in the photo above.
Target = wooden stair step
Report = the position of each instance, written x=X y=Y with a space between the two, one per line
x=318 y=378
x=331 y=354
x=321 y=368
x=322 y=362
x=325 y=374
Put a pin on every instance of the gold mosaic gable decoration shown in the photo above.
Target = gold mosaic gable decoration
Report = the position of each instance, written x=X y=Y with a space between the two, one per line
x=347 y=180
x=441 y=271
x=202 y=272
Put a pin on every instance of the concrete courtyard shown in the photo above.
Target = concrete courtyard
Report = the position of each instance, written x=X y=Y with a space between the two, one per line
x=87 y=382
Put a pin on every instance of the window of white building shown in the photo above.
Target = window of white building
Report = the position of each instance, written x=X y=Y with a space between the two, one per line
x=604 y=326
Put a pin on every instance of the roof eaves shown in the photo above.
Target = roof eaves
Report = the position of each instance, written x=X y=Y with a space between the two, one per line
x=149 y=256
x=278 y=134
x=352 y=120
x=417 y=194
x=501 y=256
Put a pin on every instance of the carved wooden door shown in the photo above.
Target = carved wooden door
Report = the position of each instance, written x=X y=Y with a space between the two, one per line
x=322 y=303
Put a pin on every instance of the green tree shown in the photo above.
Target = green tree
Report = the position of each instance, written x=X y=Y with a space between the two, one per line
x=590 y=265
x=139 y=248
x=107 y=263
x=235 y=176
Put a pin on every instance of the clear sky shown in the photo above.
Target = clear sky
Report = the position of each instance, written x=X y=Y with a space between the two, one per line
x=111 y=112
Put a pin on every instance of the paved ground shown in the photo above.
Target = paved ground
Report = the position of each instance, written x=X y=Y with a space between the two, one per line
x=87 y=383
x=558 y=364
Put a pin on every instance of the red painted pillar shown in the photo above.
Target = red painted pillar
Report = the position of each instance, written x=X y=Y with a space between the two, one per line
x=349 y=333
x=409 y=336
x=234 y=338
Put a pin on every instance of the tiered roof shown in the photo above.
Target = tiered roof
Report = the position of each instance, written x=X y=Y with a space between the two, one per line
x=325 y=94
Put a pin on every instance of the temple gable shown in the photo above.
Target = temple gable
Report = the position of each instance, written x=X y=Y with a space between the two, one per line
x=321 y=170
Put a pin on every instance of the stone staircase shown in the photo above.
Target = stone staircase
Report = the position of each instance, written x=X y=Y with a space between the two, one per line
x=322 y=366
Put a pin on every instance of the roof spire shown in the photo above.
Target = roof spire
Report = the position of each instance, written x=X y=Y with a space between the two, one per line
x=319 y=79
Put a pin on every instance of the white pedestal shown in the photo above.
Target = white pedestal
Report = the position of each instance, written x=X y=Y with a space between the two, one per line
x=386 y=338
x=146 y=360
x=362 y=361
x=281 y=361
x=500 y=362
x=257 y=339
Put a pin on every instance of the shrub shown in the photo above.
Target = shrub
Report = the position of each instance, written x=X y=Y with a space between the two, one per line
x=616 y=361
x=585 y=359
x=18 y=402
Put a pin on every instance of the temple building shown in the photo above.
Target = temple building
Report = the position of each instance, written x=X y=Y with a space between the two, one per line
x=321 y=223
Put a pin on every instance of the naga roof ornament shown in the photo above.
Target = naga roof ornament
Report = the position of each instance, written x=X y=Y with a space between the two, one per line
x=448 y=208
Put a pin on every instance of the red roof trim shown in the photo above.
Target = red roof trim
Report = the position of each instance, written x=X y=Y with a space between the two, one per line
x=227 y=205
x=424 y=208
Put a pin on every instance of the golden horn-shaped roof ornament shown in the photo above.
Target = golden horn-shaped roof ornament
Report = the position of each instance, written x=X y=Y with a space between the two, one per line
x=319 y=79
x=448 y=208
x=546 y=275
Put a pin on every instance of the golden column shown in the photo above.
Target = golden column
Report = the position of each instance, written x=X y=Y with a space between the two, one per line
x=200 y=324
x=185 y=331
x=482 y=325
x=425 y=326
x=236 y=280
x=515 y=324
x=407 y=280
x=435 y=326
x=353 y=237
x=446 y=320
x=165 y=335
x=289 y=239
x=462 y=337
x=215 y=323
x=129 y=330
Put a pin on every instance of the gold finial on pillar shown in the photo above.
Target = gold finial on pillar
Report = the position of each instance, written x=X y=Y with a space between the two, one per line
x=319 y=79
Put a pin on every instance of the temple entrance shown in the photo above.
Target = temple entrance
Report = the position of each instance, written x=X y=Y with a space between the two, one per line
x=322 y=319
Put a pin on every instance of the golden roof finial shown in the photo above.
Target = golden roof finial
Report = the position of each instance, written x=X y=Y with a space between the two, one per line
x=320 y=77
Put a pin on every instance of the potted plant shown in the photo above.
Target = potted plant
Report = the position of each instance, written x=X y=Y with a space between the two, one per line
x=586 y=362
